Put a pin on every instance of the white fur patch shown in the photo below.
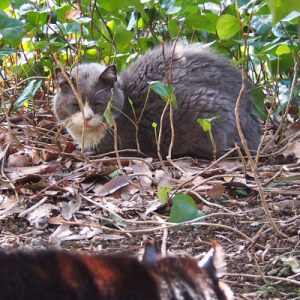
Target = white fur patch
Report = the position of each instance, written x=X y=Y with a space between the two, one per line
x=94 y=129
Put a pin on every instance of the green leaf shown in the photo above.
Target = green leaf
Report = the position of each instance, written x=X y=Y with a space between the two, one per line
x=27 y=94
x=206 y=123
x=262 y=24
x=165 y=91
x=4 y=4
x=173 y=28
x=37 y=18
x=282 y=8
x=6 y=50
x=123 y=37
x=258 y=104
x=283 y=49
x=184 y=209
x=137 y=4
x=163 y=194
x=113 y=6
x=202 y=22
x=227 y=26
x=11 y=30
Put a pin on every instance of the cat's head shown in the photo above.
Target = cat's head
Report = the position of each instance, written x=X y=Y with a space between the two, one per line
x=186 y=278
x=95 y=85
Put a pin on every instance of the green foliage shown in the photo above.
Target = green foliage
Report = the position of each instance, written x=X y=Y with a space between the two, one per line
x=227 y=26
x=261 y=35
x=163 y=194
x=206 y=123
x=282 y=8
x=166 y=92
x=27 y=94
x=184 y=209
x=11 y=30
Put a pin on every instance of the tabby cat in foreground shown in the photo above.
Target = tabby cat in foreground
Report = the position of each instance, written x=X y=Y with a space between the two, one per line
x=206 y=85
x=52 y=275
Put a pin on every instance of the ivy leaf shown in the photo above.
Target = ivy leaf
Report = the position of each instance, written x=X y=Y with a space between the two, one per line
x=11 y=30
x=4 y=4
x=163 y=194
x=184 y=209
x=37 y=18
x=165 y=91
x=227 y=26
x=27 y=94
x=202 y=22
x=206 y=123
x=258 y=104
x=282 y=8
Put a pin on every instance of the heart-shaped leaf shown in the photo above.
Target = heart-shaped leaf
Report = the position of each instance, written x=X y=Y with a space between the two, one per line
x=184 y=209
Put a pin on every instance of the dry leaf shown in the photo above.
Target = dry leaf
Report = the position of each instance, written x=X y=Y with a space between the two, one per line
x=293 y=149
x=217 y=191
x=60 y=234
x=228 y=178
x=40 y=215
x=70 y=208
x=19 y=159
x=48 y=156
x=112 y=186
x=16 y=173
x=140 y=167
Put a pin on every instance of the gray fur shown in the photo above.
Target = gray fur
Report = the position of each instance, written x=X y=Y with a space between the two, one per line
x=206 y=85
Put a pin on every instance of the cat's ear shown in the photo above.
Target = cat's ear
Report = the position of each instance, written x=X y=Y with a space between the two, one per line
x=214 y=260
x=151 y=253
x=109 y=75
x=60 y=78
x=214 y=264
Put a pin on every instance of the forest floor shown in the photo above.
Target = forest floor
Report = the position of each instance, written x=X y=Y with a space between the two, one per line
x=52 y=196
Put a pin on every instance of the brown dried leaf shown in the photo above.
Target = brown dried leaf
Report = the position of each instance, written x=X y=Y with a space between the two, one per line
x=112 y=186
x=293 y=149
x=18 y=173
x=140 y=167
x=48 y=156
x=217 y=191
x=19 y=159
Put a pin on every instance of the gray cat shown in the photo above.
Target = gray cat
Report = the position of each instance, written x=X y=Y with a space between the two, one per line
x=206 y=85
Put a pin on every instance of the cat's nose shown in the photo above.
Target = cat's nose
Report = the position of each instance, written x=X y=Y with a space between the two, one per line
x=88 y=118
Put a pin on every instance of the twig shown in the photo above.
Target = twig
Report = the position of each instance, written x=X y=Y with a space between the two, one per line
x=266 y=277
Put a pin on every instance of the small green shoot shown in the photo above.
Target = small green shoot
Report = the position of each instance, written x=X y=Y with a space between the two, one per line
x=132 y=107
x=154 y=126
x=206 y=126
x=184 y=209
x=163 y=194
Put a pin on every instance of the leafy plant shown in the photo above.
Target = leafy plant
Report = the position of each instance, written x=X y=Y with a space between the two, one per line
x=184 y=209
x=27 y=94
x=261 y=35
x=166 y=92
x=206 y=126
x=163 y=194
